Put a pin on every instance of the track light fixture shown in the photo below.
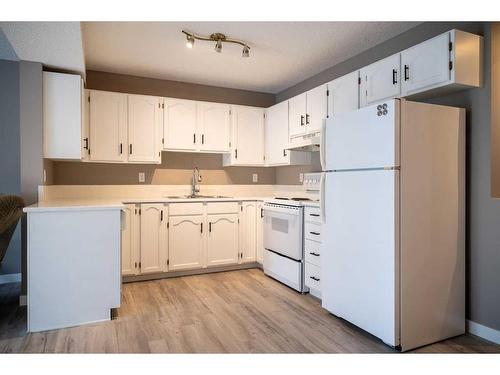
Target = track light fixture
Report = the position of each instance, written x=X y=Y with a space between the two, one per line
x=218 y=38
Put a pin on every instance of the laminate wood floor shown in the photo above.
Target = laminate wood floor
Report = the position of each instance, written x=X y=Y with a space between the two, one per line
x=228 y=312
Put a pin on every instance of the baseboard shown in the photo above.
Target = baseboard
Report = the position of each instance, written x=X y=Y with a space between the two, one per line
x=10 y=278
x=484 y=332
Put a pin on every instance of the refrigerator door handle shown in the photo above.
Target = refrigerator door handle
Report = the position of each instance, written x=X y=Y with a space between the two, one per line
x=322 y=148
x=322 y=197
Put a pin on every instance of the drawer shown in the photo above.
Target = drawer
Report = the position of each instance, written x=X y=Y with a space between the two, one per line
x=312 y=252
x=312 y=231
x=222 y=208
x=312 y=214
x=313 y=276
x=195 y=208
x=283 y=269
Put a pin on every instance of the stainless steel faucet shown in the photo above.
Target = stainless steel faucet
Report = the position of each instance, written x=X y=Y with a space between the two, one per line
x=195 y=188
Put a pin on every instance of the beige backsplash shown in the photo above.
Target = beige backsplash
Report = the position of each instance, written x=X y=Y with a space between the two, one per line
x=176 y=169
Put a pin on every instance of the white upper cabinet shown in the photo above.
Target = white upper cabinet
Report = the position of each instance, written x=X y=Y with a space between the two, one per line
x=154 y=248
x=343 y=94
x=213 y=127
x=453 y=58
x=222 y=239
x=180 y=125
x=247 y=128
x=144 y=125
x=186 y=242
x=64 y=131
x=380 y=80
x=297 y=115
x=276 y=139
x=316 y=108
x=108 y=126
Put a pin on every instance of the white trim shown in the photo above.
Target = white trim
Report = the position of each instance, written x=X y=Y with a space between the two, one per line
x=484 y=332
x=10 y=278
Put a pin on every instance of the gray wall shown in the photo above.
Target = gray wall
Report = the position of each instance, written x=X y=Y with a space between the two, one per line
x=483 y=211
x=6 y=50
x=10 y=177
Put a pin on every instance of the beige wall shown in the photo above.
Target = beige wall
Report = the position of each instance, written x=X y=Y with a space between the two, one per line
x=291 y=175
x=176 y=169
x=495 y=109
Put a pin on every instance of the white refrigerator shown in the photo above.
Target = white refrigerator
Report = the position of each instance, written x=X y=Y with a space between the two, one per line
x=393 y=206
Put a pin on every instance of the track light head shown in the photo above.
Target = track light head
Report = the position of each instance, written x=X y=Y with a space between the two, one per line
x=190 y=41
x=246 y=51
x=218 y=46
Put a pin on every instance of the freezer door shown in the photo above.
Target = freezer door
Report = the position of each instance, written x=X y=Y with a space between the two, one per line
x=359 y=251
x=366 y=138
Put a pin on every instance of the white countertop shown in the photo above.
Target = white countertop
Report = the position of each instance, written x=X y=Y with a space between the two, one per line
x=113 y=204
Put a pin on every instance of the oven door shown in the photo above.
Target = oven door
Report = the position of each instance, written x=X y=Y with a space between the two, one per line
x=283 y=230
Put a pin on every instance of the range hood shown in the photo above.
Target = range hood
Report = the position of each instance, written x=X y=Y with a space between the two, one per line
x=308 y=142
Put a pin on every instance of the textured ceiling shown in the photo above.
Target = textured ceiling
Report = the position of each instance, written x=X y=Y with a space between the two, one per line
x=55 y=44
x=282 y=53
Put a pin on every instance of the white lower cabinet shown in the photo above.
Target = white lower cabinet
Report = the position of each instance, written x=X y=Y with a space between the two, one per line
x=312 y=252
x=248 y=232
x=222 y=239
x=186 y=242
x=260 y=232
x=130 y=237
x=154 y=248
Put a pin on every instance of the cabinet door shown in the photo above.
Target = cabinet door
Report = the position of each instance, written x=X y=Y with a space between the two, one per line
x=380 y=80
x=316 y=100
x=62 y=116
x=185 y=242
x=297 y=116
x=260 y=232
x=222 y=241
x=276 y=134
x=153 y=238
x=426 y=64
x=248 y=232
x=248 y=126
x=180 y=125
x=343 y=94
x=143 y=129
x=130 y=240
x=108 y=126
x=213 y=124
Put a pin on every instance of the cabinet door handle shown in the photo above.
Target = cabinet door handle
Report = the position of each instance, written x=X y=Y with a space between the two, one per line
x=236 y=153
x=86 y=146
x=314 y=254
x=301 y=120
x=194 y=137
x=307 y=119
x=201 y=227
x=121 y=148
x=261 y=213
x=284 y=152
x=314 y=278
x=130 y=149
x=210 y=227
x=394 y=76
x=315 y=233
x=161 y=215
x=407 y=72
x=315 y=215
x=203 y=139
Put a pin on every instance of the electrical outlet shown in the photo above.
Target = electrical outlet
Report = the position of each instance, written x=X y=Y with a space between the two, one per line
x=301 y=177
x=142 y=177
x=255 y=177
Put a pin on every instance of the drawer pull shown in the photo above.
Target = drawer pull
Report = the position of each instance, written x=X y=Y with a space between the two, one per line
x=314 y=278
x=315 y=233
x=315 y=254
x=315 y=215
